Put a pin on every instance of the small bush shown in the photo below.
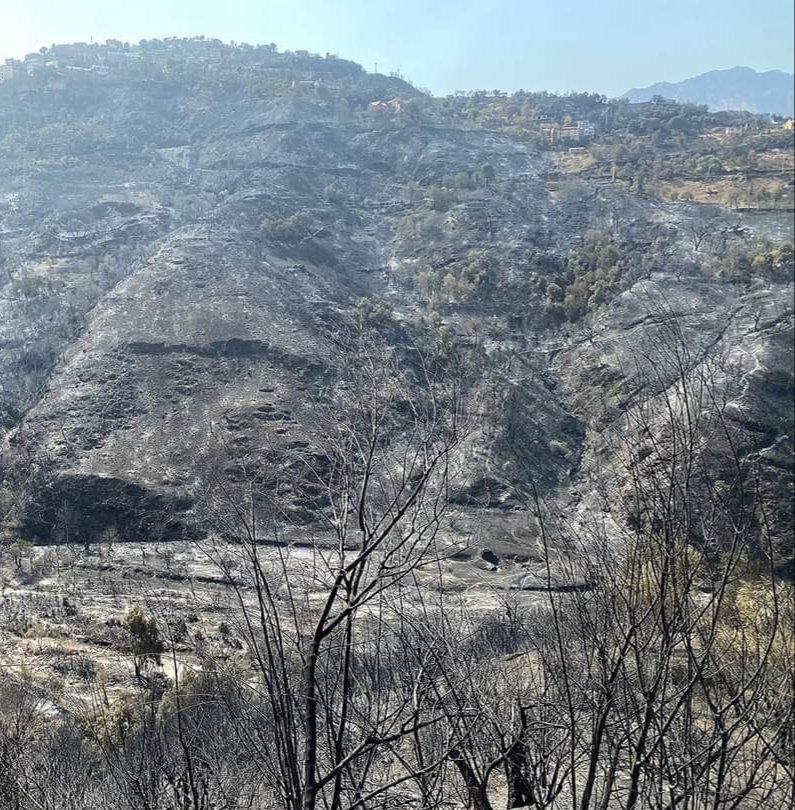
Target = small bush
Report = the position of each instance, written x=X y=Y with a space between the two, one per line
x=441 y=199
x=290 y=230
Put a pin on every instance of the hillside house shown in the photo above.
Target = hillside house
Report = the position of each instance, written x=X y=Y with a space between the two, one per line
x=569 y=133
x=394 y=105
x=789 y=124
x=121 y=58
x=6 y=72
x=549 y=131
x=78 y=53
x=34 y=65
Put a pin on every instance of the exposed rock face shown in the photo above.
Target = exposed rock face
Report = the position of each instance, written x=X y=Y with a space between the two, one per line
x=190 y=291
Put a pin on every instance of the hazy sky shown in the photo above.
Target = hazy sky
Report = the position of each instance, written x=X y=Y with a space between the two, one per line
x=599 y=45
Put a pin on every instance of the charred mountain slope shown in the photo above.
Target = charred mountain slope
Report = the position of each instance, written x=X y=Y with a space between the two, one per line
x=182 y=252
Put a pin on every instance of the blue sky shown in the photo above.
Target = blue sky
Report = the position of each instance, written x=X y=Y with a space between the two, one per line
x=599 y=45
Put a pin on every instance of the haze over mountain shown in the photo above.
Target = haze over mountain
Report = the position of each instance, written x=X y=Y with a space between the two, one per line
x=738 y=88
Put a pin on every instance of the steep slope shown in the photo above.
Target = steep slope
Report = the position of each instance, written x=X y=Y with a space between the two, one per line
x=739 y=88
x=183 y=260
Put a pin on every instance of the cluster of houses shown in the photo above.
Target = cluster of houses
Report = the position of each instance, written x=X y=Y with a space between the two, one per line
x=79 y=56
x=111 y=56
x=115 y=56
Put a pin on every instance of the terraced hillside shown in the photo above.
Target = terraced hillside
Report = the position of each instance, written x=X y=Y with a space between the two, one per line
x=188 y=251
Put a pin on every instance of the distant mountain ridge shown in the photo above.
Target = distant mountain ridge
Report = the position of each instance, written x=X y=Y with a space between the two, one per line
x=738 y=88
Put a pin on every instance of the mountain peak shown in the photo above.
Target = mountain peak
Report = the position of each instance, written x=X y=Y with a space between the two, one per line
x=736 y=88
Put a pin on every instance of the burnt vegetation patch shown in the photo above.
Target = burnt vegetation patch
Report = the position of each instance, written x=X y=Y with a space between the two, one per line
x=78 y=509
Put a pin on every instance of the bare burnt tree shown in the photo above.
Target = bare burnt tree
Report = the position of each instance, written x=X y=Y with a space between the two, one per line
x=703 y=227
x=333 y=712
x=502 y=712
x=672 y=698
x=655 y=672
